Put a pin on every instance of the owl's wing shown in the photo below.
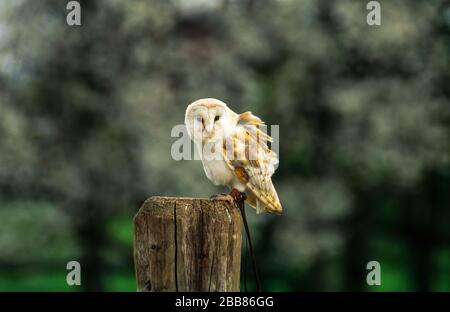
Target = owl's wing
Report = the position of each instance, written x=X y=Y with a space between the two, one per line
x=247 y=154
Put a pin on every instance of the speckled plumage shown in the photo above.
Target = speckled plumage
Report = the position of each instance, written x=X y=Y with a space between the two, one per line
x=234 y=151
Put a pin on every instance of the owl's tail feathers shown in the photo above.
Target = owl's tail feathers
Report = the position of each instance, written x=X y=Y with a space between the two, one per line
x=273 y=206
x=267 y=203
x=270 y=199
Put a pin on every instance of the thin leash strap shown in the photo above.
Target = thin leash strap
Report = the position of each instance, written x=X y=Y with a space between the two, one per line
x=245 y=264
x=250 y=245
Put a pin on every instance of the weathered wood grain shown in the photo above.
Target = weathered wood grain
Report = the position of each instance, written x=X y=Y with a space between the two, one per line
x=187 y=244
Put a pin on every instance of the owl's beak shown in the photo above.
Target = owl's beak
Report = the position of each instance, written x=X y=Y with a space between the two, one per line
x=207 y=136
x=209 y=129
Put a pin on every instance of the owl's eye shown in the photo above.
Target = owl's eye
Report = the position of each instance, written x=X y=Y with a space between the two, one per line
x=216 y=118
x=199 y=119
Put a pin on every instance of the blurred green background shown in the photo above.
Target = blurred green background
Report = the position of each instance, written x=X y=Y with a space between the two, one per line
x=364 y=115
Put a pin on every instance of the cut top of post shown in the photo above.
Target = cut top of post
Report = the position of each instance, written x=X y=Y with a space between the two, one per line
x=187 y=244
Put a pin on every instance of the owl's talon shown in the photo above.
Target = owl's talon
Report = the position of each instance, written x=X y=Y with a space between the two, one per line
x=217 y=195
x=238 y=196
x=225 y=197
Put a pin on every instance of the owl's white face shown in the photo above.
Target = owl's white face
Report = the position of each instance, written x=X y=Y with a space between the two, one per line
x=209 y=120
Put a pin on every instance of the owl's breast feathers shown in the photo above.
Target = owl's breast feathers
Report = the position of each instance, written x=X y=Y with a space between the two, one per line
x=218 y=172
x=246 y=153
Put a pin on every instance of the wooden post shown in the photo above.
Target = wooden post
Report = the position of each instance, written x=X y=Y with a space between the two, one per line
x=187 y=244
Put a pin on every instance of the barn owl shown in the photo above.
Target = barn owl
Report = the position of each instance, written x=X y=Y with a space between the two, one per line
x=234 y=152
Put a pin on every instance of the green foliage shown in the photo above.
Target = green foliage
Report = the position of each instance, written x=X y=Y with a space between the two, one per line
x=46 y=281
x=36 y=231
